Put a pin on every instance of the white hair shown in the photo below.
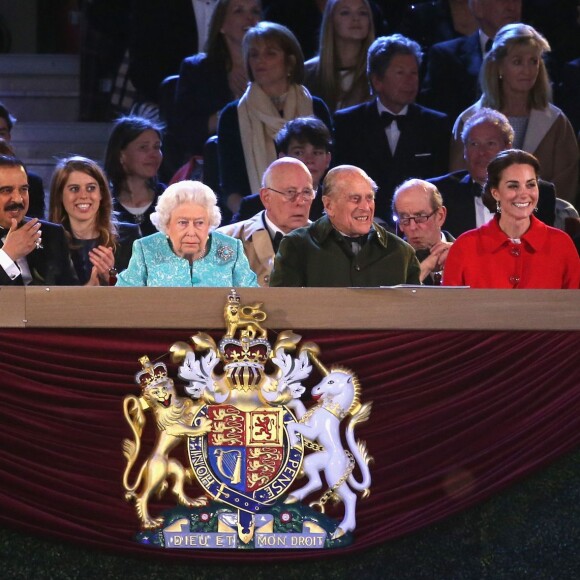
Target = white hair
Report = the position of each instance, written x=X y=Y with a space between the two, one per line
x=185 y=192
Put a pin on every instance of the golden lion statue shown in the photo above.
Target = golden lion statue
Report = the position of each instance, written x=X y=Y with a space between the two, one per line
x=174 y=417
x=247 y=317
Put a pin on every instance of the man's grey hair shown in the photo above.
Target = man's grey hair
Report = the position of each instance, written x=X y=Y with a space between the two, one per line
x=334 y=176
x=487 y=115
x=435 y=199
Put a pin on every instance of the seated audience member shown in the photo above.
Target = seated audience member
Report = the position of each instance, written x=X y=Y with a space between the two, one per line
x=515 y=81
x=132 y=162
x=484 y=135
x=307 y=139
x=209 y=80
x=304 y=18
x=287 y=195
x=81 y=201
x=186 y=251
x=275 y=95
x=452 y=71
x=420 y=215
x=514 y=249
x=160 y=36
x=391 y=137
x=567 y=95
x=345 y=247
x=35 y=186
x=31 y=251
x=338 y=73
x=437 y=21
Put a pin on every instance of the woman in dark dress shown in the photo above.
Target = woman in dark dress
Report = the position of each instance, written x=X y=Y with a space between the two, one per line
x=132 y=163
x=81 y=201
x=210 y=80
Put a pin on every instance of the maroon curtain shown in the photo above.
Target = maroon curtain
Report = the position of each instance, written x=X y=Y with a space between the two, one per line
x=457 y=416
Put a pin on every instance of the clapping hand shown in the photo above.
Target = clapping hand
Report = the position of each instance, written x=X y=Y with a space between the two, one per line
x=20 y=241
x=103 y=260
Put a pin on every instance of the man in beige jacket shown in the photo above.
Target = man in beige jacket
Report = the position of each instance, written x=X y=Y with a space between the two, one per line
x=287 y=194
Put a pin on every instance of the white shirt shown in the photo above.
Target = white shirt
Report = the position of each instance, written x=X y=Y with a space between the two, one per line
x=15 y=269
x=274 y=229
x=483 y=38
x=204 y=10
x=482 y=214
x=392 y=131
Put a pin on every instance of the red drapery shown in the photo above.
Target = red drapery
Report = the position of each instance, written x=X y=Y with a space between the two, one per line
x=457 y=416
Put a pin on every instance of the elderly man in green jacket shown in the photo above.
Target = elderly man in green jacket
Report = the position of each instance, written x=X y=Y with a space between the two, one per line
x=344 y=247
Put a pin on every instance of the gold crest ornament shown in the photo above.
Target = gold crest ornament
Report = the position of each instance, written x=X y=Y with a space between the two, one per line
x=249 y=437
x=173 y=417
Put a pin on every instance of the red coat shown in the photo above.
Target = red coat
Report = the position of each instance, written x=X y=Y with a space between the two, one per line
x=486 y=258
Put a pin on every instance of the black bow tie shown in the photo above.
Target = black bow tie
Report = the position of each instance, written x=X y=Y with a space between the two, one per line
x=361 y=240
x=276 y=241
x=488 y=45
x=388 y=118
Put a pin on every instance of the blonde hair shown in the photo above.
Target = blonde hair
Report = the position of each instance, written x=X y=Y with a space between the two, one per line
x=328 y=77
x=505 y=40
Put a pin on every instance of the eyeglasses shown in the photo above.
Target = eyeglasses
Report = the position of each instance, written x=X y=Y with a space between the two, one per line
x=292 y=195
x=418 y=219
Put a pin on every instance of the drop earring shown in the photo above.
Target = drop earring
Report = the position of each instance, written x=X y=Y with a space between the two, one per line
x=497 y=206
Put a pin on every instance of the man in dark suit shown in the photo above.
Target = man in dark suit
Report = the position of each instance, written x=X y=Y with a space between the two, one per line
x=420 y=213
x=451 y=80
x=567 y=94
x=307 y=139
x=31 y=251
x=391 y=137
x=484 y=135
x=161 y=35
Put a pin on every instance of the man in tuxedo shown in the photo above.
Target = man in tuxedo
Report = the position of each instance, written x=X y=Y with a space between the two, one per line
x=31 y=251
x=287 y=195
x=420 y=213
x=452 y=73
x=307 y=139
x=345 y=247
x=391 y=137
x=160 y=36
x=484 y=135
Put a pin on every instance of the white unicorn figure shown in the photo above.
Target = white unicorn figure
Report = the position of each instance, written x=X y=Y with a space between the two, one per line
x=338 y=396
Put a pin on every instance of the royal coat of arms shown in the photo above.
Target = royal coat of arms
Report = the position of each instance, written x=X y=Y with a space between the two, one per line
x=249 y=441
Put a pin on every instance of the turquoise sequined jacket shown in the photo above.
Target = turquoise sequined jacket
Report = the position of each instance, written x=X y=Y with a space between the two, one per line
x=153 y=263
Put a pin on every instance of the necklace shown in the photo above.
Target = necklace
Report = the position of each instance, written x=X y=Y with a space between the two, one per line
x=202 y=255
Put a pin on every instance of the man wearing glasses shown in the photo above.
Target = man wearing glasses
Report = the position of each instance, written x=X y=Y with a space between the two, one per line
x=287 y=195
x=345 y=248
x=419 y=212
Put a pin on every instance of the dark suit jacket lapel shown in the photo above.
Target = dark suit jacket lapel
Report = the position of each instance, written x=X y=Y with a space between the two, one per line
x=467 y=203
x=471 y=54
x=405 y=151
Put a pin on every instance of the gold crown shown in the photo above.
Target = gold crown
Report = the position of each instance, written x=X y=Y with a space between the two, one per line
x=233 y=297
x=150 y=374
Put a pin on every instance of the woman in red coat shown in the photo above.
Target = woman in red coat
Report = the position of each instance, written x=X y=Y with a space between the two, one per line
x=514 y=249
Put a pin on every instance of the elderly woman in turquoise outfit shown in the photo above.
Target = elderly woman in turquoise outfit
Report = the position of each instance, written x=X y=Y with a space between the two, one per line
x=186 y=251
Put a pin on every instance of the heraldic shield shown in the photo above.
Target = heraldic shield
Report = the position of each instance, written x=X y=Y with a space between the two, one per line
x=248 y=437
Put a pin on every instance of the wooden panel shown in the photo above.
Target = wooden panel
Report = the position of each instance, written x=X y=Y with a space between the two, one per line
x=12 y=307
x=304 y=308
